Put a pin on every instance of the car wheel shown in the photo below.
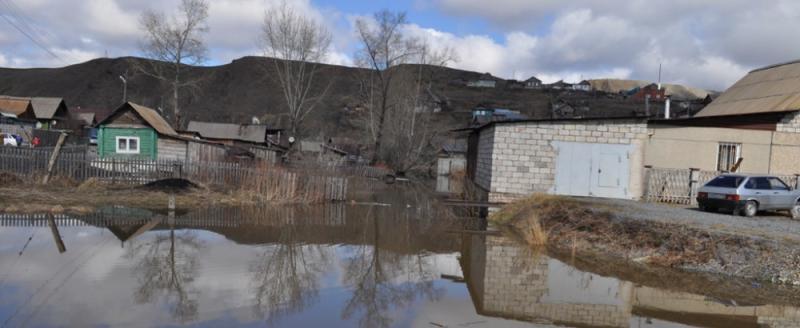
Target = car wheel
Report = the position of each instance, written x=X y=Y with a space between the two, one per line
x=795 y=211
x=749 y=209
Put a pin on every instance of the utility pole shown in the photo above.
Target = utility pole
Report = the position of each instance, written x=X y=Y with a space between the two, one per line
x=124 y=89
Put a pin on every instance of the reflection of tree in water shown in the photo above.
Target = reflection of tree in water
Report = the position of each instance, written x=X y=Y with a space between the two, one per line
x=286 y=275
x=166 y=267
x=382 y=280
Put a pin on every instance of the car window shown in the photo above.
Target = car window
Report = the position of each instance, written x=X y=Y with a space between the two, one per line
x=758 y=183
x=726 y=181
x=777 y=184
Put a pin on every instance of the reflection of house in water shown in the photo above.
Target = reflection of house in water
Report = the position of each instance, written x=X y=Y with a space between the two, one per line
x=506 y=280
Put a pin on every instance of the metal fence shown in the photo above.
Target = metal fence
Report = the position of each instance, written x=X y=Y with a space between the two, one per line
x=75 y=163
x=679 y=186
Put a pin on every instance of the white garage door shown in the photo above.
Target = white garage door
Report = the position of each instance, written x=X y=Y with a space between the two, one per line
x=589 y=169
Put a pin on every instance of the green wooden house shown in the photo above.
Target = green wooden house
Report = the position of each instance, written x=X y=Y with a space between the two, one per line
x=134 y=131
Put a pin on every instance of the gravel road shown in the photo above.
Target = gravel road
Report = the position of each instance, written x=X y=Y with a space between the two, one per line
x=772 y=225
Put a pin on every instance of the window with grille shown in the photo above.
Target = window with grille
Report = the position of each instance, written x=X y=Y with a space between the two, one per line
x=729 y=153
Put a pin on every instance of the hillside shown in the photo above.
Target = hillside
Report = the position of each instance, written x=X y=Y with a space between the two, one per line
x=244 y=88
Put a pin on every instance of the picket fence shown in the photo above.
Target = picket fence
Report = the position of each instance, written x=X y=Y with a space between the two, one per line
x=75 y=164
x=679 y=186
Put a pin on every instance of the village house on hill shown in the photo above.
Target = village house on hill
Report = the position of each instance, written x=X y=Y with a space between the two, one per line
x=756 y=119
x=533 y=83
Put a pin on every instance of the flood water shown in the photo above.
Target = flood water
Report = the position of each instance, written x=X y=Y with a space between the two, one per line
x=341 y=265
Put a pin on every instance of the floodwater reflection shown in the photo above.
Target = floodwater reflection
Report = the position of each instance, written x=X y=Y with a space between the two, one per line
x=339 y=265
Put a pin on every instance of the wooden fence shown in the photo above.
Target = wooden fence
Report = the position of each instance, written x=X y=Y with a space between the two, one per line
x=679 y=186
x=342 y=169
x=74 y=163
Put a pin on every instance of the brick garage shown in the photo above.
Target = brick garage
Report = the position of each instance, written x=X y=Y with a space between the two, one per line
x=514 y=159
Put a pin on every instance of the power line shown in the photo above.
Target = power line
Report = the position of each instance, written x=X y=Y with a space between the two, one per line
x=26 y=34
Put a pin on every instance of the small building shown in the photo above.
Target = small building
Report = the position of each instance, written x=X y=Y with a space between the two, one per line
x=451 y=165
x=485 y=81
x=483 y=115
x=259 y=139
x=134 y=131
x=582 y=86
x=756 y=121
x=533 y=83
x=49 y=112
x=559 y=85
x=651 y=91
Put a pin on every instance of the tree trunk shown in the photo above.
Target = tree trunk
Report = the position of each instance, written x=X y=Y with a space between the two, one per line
x=175 y=104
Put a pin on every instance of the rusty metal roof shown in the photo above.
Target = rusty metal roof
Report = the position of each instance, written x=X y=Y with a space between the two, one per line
x=770 y=89
x=14 y=105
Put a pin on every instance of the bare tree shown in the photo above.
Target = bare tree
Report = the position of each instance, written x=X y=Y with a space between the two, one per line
x=388 y=95
x=302 y=44
x=176 y=40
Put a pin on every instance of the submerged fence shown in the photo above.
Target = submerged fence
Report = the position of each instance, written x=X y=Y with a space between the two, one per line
x=679 y=186
x=270 y=182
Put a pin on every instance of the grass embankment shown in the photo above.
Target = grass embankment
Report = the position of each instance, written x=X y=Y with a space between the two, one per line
x=63 y=195
x=569 y=225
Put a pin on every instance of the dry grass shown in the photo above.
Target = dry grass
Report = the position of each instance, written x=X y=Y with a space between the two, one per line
x=572 y=226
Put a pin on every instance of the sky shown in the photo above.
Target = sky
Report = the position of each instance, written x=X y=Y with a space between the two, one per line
x=702 y=43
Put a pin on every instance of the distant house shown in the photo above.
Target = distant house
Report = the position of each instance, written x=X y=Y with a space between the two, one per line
x=560 y=85
x=651 y=91
x=582 y=86
x=259 y=139
x=485 y=81
x=49 y=112
x=483 y=115
x=533 y=83
x=236 y=134
x=134 y=131
x=514 y=84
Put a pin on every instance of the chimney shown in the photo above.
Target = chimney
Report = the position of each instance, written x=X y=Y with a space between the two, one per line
x=666 y=107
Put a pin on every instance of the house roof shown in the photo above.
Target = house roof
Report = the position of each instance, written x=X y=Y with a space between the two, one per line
x=87 y=118
x=14 y=105
x=676 y=91
x=100 y=114
x=149 y=115
x=245 y=132
x=553 y=120
x=770 y=89
x=533 y=79
x=45 y=107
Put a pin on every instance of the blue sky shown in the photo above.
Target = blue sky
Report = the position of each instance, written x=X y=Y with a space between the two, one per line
x=703 y=43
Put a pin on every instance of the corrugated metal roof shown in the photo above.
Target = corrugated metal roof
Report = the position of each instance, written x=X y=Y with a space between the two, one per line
x=251 y=133
x=767 y=90
x=154 y=119
x=45 y=107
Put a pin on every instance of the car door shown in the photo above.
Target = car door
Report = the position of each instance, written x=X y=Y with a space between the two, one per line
x=781 y=196
x=759 y=189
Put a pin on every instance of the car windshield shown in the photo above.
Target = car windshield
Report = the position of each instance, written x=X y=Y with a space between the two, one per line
x=726 y=181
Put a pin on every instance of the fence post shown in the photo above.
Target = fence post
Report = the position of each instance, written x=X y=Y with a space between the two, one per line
x=646 y=183
x=694 y=175
x=796 y=180
x=113 y=170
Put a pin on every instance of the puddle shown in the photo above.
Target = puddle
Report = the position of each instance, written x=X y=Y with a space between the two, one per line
x=337 y=265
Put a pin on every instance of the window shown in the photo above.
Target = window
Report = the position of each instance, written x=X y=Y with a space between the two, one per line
x=726 y=181
x=728 y=154
x=758 y=184
x=127 y=145
x=777 y=184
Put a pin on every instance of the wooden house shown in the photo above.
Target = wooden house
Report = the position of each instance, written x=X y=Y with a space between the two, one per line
x=134 y=131
x=533 y=83
x=48 y=112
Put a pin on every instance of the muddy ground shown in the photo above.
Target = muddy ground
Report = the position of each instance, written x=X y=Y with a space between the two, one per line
x=585 y=227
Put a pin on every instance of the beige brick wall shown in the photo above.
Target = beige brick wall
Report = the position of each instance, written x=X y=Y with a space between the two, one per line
x=790 y=123
x=522 y=158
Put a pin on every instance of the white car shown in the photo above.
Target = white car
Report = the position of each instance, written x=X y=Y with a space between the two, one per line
x=9 y=140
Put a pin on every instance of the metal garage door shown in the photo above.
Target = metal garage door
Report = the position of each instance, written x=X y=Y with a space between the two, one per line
x=588 y=169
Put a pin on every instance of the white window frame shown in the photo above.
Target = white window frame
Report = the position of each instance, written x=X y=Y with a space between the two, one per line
x=738 y=154
x=128 y=145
